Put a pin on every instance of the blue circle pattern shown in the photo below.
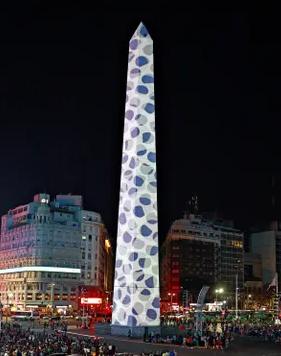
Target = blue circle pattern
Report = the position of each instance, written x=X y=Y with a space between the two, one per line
x=139 y=212
x=141 y=61
x=142 y=89
x=136 y=286
x=147 y=79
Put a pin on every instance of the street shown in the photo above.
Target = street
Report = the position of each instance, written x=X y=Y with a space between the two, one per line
x=243 y=346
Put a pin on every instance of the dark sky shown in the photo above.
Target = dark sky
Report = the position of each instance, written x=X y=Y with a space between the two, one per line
x=62 y=98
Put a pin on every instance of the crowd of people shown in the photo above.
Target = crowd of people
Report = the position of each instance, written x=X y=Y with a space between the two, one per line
x=211 y=337
x=15 y=341
x=219 y=334
x=270 y=333
x=211 y=341
x=53 y=338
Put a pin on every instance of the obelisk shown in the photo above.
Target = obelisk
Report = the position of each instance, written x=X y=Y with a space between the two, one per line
x=136 y=302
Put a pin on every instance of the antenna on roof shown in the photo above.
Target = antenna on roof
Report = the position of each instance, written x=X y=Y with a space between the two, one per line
x=193 y=204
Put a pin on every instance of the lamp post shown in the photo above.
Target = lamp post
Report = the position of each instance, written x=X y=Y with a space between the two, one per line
x=249 y=300
x=236 y=296
x=84 y=321
x=83 y=308
x=52 y=285
x=171 y=300
x=236 y=289
x=218 y=291
x=10 y=295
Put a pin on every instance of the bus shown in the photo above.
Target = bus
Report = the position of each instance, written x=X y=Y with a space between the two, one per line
x=25 y=315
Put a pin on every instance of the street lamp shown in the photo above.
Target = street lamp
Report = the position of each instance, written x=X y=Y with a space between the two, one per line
x=52 y=285
x=84 y=320
x=10 y=295
x=236 y=289
x=249 y=300
x=171 y=301
x=218 y=291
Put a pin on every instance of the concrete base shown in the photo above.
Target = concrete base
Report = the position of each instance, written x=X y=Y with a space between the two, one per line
x=134 y=331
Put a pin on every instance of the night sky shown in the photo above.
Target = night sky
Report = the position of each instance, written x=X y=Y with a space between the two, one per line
x=217 y=88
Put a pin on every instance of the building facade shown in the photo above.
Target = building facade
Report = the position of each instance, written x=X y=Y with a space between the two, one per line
x=201 y=251
x=40 y=252
x=266 y=242
x=50 y=248
x=96 y=252
x=254 y=296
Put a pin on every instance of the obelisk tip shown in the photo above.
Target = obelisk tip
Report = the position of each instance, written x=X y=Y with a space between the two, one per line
x=141 y=31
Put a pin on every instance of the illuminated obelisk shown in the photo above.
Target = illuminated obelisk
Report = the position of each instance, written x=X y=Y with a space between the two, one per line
x=136 y=302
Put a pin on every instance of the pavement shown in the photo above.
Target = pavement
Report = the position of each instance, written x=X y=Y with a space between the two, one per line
x=242 y=346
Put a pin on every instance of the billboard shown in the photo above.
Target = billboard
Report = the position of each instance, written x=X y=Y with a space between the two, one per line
x=91 y=301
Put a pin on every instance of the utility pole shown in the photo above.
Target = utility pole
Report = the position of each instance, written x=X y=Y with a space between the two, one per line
x=185 y=298
x=84 y=321
x=52 y=299
x=236 y=296
x=83 y=308
x=276 y=300
x=171 y=295
x=236 y=288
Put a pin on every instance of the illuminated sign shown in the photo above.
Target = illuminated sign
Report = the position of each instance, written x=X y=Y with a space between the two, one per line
x=40 y=269
x=91 y=300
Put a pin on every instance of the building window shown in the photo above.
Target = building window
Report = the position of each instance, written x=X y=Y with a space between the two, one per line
x=90 y=237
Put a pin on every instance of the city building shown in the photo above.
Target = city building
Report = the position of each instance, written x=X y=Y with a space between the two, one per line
x=201 y=250
x=48 y=249
x=188 y=260
x=266 y=242
x=40 y=253
x=254 y=296
x=96 y=252
x=136 y=302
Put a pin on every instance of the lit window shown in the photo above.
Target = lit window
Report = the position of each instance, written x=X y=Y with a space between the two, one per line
x=236 y=244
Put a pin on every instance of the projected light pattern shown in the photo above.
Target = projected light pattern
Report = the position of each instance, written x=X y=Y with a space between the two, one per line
x=136 y=288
